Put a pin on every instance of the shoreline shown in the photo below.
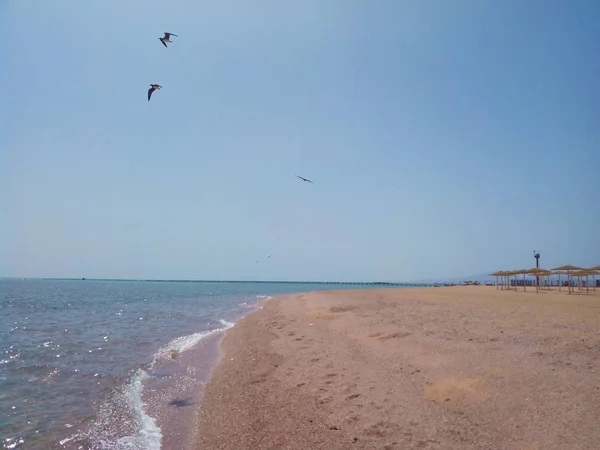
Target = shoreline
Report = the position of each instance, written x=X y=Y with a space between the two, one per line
x=193 y=432
x=438 y=368
x=192 y=370
x=173 y=401
x=171 y=394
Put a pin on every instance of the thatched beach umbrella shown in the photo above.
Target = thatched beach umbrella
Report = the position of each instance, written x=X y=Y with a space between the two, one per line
x=548 y=276
x=559 y=273
x=516 y=274
x=541 y=273
x=587 y=273
x=538 y=272
x=568 y=269
x=596 y=270
x=524 y=272
x=534 y=271
x=494 y=274
x=592 y=273
x=497 y=275
x=595 y=274
x=545 y=274
x=500 y=275
x=579 y=275
x=506 y=274
x=503 y=274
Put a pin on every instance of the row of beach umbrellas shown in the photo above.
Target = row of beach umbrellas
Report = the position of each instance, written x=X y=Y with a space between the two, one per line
x=503 y=276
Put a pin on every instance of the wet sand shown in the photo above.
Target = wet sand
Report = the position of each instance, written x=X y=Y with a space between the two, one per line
x=437 y=368
x=174 y=389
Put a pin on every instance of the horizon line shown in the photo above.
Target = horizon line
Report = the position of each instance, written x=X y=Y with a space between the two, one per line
x=157 y=280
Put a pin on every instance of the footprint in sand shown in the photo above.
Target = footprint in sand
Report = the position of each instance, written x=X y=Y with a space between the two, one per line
x=423 y=444
x=353 y=418
x=397 y=335
x=325 y=399
x=341 y=309
x=380 y=429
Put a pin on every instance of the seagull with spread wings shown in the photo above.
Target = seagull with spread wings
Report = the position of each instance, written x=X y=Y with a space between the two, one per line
x=153 y=87
x=167 y=38
x=305 y=179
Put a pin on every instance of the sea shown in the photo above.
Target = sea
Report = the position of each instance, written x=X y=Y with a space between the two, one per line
x=104 y=364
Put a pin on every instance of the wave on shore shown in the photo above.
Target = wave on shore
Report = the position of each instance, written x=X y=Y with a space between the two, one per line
x=122 y=422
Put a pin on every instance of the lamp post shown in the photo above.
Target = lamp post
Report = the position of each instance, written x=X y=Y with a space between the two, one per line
x=536 y=255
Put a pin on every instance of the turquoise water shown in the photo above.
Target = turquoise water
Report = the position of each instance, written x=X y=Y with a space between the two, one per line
x=76 y=355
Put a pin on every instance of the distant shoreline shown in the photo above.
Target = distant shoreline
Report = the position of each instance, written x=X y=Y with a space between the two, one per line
x=346 y=283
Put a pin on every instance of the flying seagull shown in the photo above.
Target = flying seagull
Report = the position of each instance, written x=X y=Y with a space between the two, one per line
x=304 y=179
x=166 y=38
x=153 y=88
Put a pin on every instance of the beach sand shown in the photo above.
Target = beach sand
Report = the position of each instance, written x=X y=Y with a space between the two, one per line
x=433 y=368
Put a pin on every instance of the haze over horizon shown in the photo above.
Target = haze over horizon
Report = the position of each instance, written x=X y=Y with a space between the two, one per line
x=443 y=138
x=208 y=280
x=484 y=276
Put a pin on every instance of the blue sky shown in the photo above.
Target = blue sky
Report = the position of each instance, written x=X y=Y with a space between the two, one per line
x=444 y=138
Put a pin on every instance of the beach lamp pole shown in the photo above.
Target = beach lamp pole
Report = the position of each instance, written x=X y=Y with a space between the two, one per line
x=536 y=255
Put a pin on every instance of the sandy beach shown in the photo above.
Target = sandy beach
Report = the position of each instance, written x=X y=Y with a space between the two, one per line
x=433 y=368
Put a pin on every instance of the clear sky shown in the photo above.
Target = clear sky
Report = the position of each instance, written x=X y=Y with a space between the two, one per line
x=444 y=138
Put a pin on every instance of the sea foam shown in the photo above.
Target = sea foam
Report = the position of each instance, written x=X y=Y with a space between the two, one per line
x=122 y=422
x=184 y=343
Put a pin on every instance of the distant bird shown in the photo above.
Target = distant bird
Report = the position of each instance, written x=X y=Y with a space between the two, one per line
x=304 y=179
x=166 y=38
x=153 y=87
